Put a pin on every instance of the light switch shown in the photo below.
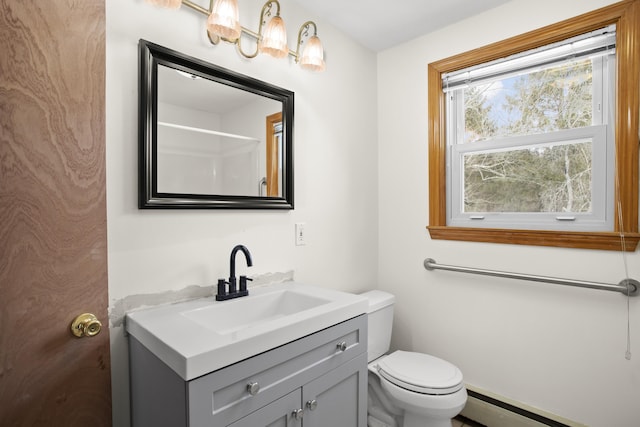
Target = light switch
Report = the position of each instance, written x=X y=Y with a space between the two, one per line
x=301 y=236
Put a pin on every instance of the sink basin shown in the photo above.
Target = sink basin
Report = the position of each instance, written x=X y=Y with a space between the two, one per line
x=200 y=336
x=242 y=313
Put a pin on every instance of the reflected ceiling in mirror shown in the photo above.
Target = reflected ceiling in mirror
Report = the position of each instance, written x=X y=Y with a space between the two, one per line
x=210 y=137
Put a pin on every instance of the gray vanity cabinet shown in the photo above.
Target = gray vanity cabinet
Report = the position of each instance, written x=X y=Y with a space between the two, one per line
x=316 y=381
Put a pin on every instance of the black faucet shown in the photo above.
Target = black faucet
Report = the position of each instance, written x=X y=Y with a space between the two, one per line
x=234 y=292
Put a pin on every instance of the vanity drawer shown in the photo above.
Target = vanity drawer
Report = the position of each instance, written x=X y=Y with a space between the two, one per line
x=223 y=396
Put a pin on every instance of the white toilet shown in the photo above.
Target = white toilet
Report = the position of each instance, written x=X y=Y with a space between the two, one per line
x=424 y=390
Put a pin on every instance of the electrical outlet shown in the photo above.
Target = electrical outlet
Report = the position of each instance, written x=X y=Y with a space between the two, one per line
x=301 y=234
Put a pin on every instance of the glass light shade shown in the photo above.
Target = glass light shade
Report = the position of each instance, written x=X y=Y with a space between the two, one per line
x=274 y=39
x=168 y=4
x=313 y=55
x=224 y=20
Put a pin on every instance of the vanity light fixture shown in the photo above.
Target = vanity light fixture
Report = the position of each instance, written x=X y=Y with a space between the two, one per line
x=168 y=4
x=274 y=39
x=312 y=54
x=271 y=38
x=224 y=20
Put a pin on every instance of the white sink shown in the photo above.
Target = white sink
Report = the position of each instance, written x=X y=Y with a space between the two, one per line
x=200 y=336
x=242 y=313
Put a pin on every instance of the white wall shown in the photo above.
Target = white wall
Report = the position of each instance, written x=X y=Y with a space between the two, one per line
x=557 y=348
x=156 y=251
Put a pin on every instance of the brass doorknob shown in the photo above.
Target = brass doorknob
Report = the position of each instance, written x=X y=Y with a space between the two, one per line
x=86 y=325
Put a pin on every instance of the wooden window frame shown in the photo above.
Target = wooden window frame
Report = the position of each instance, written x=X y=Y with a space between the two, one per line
x=626 y=16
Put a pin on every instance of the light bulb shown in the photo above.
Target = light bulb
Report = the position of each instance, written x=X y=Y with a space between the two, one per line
x=224 y=20
x=313 y=55
x=167 y=4
x=274 y=39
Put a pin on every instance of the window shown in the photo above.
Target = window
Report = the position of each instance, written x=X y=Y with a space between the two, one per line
x=528 y=141
x=528 y=138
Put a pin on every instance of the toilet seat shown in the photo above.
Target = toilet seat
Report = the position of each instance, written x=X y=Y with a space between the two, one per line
x=421 y=373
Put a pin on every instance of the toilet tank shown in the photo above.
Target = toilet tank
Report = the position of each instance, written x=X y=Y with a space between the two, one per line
x=380 y=322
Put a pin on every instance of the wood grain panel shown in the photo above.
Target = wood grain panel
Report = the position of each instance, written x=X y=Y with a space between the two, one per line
x=52 y=213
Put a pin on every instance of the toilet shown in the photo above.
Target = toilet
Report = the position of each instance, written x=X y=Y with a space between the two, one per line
x=408 y=389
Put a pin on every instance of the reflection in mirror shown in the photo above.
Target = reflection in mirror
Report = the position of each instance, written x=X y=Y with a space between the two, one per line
x=273 y=180
x=215 y=139
x=211 y=137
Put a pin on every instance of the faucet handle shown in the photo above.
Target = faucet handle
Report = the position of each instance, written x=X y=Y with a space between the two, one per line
x=222 y=291
x=243 y=283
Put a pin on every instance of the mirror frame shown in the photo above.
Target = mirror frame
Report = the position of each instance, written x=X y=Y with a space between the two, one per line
x=150 y=56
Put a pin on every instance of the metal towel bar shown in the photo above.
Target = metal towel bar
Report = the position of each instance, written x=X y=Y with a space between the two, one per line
x=629 y=287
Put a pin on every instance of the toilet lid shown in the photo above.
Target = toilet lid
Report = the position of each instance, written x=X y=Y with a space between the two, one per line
x=420 y=372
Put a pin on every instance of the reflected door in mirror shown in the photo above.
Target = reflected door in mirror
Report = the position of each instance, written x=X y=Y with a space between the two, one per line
x=274 y=160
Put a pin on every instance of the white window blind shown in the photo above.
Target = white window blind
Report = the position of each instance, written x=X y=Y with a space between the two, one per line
x=589 y=45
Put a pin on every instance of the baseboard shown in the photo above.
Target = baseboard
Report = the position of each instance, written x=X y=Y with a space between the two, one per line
x=493 y=410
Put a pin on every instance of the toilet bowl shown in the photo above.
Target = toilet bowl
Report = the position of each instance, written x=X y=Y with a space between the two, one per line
x=425 y=390
x=429 y=390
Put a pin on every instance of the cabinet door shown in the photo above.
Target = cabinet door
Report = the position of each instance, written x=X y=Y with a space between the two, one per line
x=338 y=398
x=278 y=413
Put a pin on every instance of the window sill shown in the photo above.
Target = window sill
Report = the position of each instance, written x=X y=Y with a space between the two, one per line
x=584 y=240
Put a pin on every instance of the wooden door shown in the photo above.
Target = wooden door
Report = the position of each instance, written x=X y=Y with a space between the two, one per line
x=53 y=244
x=274 y=149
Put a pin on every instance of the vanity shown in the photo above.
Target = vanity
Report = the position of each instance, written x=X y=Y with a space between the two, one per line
x=286 y=355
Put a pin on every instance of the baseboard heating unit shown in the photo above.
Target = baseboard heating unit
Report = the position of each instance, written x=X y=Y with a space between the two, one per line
x=492 y=410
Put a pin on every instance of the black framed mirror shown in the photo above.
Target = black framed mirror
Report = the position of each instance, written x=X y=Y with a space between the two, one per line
x=210 y=137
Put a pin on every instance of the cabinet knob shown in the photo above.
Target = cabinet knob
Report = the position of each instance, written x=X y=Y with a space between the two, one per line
x=253 y=388
x=342 y=346
x=298 y=414
x=312 y=404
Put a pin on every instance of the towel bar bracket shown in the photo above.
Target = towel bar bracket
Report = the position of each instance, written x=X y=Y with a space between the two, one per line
x=631 y=286
x=627 y=286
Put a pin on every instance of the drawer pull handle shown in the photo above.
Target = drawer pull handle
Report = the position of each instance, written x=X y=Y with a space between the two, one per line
x=253 y=388
x=312 y=404
x=342 y=346
x=298 y=414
